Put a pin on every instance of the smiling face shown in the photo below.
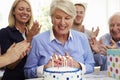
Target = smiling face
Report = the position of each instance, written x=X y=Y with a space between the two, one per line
x=22 y=12
x=62 y=22
x=114 y=27
x=80 y=14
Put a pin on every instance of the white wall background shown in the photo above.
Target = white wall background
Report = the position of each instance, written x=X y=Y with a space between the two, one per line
x=97 y=13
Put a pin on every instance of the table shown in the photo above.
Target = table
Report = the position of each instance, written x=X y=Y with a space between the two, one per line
x=98 y=75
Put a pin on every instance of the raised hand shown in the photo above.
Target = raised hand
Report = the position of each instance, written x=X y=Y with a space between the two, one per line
x=113 y=45
x=94 y=34
x=32 y=31
x=95 y=45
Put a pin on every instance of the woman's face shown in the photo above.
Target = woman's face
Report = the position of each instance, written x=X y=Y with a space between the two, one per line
x=22 y=12
x=114 y=27
x=62 y=22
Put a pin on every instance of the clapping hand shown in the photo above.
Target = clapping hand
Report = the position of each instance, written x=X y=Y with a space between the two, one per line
x=113 y=45
x=94 y=34
x=32 y=31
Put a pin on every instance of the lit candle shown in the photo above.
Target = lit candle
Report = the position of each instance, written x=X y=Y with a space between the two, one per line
x=56 y=57
x=64 y=60
x=57 y=61
x=71 y=60
x=60 y=58
x=52 y=61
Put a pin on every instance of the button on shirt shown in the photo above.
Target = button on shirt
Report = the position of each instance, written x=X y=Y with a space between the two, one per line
x=45 y=44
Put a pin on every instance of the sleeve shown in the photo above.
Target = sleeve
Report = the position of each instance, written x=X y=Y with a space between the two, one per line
x=83 y=68
x=30 y=68
x=5 y=42
x=88 y=56
x=40 y=71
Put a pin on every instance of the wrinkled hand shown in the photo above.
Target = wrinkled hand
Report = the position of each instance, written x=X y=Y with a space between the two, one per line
x=113 y=45
x=54 y=60
x=59 y=60
x=103 y=50
x=95 y=45
x=32 y=31
x=71 y=62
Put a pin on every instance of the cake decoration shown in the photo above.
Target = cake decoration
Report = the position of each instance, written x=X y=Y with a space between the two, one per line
x=64 y=71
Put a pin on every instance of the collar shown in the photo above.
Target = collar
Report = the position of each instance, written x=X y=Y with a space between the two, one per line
x=52 y=37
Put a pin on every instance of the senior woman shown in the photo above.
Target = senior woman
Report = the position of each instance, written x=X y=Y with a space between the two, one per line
x=60 y=40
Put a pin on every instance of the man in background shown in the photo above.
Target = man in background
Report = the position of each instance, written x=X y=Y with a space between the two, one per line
x=77 y=24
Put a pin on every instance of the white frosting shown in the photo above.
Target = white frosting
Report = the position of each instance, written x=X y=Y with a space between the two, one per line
x=61 y=69
x=62 y=73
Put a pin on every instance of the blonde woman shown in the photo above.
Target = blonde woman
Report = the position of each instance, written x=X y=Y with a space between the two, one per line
x=21 y=27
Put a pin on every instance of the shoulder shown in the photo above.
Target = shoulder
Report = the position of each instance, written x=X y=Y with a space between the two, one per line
x=105 y=36
x=4 y=31
x=43 y=35
x=87 y=32
x=77 y=34
x=7 y=29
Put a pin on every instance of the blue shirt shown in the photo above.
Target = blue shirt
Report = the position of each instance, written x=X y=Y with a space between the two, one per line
x=106 y=40
x=101 y=60
x=45 y=44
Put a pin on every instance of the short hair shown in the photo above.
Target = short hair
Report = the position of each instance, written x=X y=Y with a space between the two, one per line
x=64 y=5
x=81 y=4
x=11 y=18
x=111 y=17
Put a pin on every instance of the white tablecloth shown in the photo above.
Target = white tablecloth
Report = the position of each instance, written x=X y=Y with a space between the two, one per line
x=100 y=75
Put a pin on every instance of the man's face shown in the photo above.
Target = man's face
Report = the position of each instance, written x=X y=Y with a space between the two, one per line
x=80 y=13
x=114 y=26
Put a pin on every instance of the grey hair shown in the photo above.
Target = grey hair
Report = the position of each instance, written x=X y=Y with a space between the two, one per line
x=65 y=5
x=115 y=14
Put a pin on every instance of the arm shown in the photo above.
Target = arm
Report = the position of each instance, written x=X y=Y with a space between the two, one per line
x=30 y=33
x=15 y=52
x=88 y=56
x=32 y=62
x=33 y=31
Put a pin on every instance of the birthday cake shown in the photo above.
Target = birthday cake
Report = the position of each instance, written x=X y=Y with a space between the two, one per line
x=62 y=73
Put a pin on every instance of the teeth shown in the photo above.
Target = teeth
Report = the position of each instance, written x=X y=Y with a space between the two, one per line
x=24 y=17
